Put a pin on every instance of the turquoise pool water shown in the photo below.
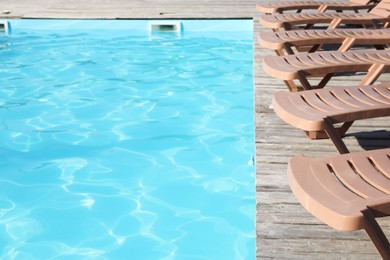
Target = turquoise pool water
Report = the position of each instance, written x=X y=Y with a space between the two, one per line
x=117 y=143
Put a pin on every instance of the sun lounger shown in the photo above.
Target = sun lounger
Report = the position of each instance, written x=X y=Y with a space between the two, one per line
x=378 y=17
x=283 y=42
x=347 y=192
x=270 y=7
x=326 y=64
x=318 y=111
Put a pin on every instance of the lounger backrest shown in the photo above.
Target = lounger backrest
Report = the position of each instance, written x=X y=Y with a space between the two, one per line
x=382 y=9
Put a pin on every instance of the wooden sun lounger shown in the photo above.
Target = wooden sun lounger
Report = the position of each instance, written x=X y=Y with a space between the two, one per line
x=378 y=17
x=325 y=64
x=318 y=111
x=271 y=7
x=283 y=42
x=347 y=192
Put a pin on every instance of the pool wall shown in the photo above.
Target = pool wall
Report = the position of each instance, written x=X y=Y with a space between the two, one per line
x=244 y=26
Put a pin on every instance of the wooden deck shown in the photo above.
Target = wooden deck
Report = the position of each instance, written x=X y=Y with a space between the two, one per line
x=284 y=229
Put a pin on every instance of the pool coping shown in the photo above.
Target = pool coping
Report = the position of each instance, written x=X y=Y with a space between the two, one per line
x=128 y=9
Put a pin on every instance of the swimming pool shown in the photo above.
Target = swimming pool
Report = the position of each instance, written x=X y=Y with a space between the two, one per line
x=119 y=143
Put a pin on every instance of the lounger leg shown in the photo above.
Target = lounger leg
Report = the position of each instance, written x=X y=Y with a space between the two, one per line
x=376 y=234
x=304 y=82
x=279 y=52
x=308 y=26
x=325 y=80
x=381 y=47
x=377 y=25
x=286 y=26
x=334 y=136
x=373 y=74
x=315 y=48
x=288 y=48
x=347 y=44
x=336 y=22
x=322 y=8
x=322 y=135
x=291 y=85
x=344 y=128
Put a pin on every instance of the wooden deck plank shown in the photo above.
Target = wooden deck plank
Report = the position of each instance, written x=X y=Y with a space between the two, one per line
x=284 y=229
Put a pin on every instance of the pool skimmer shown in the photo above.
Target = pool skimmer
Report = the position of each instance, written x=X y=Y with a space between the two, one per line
x=4 y=27
x=165 y=26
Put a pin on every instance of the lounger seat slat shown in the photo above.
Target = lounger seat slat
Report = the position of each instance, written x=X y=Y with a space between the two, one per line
x=380 y=13
x=347 y=192
x=301 y=113
x=357 y=110
x=278 y=21
x=296 y=61
x=314 y=110
x=329 y=57
x=323 y=195
x=316 y=187
x=320 y=59
x=304 y=107
x=318 y=102
x=278 y=41
x=382 y=163
x=280 y=6
x=345 y=96
x=357 y=57
x=354 y=182
x=306 y=61
x=313 y=182
x=372 y=94
x=370 y=174
x=342 y=101
x=385 y=92
x=364 y=98
x=321 y=173
x=377 y=58
x=289 y=67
